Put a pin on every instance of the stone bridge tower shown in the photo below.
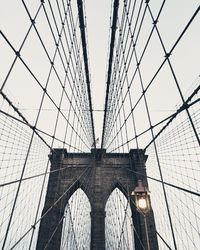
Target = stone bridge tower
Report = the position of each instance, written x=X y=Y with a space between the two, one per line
x=108 y=171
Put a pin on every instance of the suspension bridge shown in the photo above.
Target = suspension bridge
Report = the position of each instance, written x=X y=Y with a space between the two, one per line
x=59 y=188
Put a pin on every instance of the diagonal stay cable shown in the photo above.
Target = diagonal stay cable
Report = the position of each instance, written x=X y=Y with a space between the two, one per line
x=167 y=183
x=21 y=46
x=172 y=69
x=133 y=202
x=35 y=176
x=87 y=180
x=40 y=131
x=183 y=107
x=47 y=94
x=58 y=50
x=51 y=207
x=168 y=119
x=162 y=64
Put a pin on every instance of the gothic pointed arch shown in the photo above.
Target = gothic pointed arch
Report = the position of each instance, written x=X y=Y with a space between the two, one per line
x=118 y=222
x=76 y=226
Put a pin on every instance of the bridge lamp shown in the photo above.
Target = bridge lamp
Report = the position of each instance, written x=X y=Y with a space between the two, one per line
x=142 y=197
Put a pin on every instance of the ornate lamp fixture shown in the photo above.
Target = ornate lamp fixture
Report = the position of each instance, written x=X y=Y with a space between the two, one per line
x=142 y=197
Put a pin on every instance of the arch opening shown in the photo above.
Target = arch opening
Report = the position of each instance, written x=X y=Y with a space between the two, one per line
x=76 y=229
x=119 y=233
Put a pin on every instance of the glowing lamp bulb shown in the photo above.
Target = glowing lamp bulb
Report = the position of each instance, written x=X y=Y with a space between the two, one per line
x=142 y=198
x=142 y=203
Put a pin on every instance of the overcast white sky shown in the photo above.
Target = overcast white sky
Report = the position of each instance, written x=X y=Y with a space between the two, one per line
x=172 y=21
x=14 y=22
x=162 y=97
x=98 y=23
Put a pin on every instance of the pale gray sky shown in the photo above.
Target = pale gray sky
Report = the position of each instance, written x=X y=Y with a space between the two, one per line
x=162 y=98
x=185 y=59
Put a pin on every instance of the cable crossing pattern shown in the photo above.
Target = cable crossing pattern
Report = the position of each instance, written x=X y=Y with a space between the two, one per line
x=49 y=69
x=151 y=103
x=141 y=79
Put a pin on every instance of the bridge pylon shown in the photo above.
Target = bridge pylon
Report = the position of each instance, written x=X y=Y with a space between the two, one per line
x=107 y=172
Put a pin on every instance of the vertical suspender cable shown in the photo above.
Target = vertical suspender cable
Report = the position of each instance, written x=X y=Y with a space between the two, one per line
x=84 y=46
x=112 y=43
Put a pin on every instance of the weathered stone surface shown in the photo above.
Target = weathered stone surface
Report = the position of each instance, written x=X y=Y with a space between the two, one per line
x=103 y=173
